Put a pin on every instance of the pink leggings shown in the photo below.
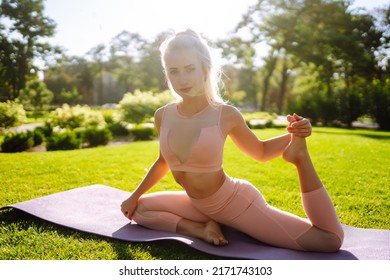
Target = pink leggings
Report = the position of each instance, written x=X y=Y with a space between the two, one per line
x=240 y=205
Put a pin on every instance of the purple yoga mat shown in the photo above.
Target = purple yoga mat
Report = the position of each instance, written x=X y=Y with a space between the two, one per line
x=96 y=209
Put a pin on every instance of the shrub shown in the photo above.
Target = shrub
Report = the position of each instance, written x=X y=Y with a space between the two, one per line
x=379 y=102
x=257 y=120
x=46 y=130
x=97 y=136
x=38 y=137
x=11 y=114
x=139 y=133
x=118 y=129
x=63 y=141
x=138 y=106
x=17 y=142
x=73 y=117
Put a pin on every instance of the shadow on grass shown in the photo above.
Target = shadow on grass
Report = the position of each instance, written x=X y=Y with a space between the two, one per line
x=161 y=250
x=373 y=134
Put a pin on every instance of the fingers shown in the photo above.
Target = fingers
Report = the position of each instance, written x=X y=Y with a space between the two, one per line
x=299 y=132
x=294 y=118
x=301 y=123
x=126 y=213
x=297 y=118
x=299 y=126
x=290 y=118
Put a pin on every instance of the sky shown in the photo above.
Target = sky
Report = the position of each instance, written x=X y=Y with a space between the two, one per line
x=83 y=24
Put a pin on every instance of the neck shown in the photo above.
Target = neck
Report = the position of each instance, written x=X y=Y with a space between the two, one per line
x=191 y=106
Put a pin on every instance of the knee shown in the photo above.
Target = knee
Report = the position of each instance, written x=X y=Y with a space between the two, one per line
x=318 y=240
x=330 y=242
x=141 y=206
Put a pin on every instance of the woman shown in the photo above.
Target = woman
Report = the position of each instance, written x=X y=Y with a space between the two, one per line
x=192 y=134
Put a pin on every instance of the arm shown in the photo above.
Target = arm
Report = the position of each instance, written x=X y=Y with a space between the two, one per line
x=247 y=141
x=157 y=171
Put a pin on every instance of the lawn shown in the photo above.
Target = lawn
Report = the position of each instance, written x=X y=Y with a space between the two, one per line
x=353 y=164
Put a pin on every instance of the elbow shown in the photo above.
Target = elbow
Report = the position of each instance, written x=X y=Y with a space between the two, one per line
x=162 y=163
x=260 y=154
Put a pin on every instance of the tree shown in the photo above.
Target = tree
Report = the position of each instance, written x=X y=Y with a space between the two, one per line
x=21 y=42
x=342 y=49
x=73 y=73
x=36 y=95
x=242 y=53
x=70 y=97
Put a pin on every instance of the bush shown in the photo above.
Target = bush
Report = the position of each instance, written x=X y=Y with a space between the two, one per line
x=140 y=133
x=257 y=120
x=63 y=141
x=118 y=129
x=138 y=106
x=379 y=102
x=74 y=117
x=38 y=137
x=46 y=130
x=97 y=136
x=11 y=114
x=17 y=142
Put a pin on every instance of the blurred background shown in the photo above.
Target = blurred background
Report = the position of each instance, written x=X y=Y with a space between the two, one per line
x=325 y=59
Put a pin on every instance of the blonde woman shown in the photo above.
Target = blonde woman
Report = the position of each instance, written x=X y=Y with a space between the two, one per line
x=192 y=133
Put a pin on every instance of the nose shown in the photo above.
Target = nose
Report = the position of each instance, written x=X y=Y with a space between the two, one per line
x=183 y=78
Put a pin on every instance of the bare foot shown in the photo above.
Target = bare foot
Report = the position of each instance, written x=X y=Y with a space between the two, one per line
x=296 y=151
x=213 y=234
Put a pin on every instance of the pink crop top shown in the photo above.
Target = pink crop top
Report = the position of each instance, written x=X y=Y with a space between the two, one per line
x=192 y=144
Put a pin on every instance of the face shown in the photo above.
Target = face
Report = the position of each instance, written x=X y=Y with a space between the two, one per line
x=185 y=73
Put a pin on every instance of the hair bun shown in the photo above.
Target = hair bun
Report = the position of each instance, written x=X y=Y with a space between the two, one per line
x=189 y=32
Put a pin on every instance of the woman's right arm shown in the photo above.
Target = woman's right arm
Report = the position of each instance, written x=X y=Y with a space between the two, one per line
x=157 y=171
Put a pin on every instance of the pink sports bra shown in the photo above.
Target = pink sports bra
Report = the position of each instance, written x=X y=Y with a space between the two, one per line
x=192 y=144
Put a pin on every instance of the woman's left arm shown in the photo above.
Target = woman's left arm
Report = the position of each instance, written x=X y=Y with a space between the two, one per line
x=244 y=138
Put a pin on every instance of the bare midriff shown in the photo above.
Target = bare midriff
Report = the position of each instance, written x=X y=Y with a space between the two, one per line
x=200 y=185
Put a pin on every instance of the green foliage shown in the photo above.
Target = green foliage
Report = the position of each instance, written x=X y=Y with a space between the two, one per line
x=17 y=142
x=74 y=117
x=142 y=133
x=349 y=102
x=70 y=97
x=138 y=106
x=97 y=136
x=35 y=95
x=257 y=120
x=66 y=140
x=11 y=114
x=118 y=129
x=379 y=100
x=38 y=136
x=21 y=43
x=236 y=98
x=45 y=130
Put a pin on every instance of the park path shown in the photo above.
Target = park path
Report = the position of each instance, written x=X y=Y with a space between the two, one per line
x=25 y=127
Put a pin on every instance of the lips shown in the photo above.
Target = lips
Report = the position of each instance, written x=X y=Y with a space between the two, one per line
x=186 y=90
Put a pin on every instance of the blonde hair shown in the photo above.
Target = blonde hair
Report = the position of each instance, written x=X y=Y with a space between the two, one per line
x=191 y=40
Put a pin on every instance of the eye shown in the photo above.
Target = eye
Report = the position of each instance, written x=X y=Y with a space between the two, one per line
x=190 y=69
x=173 y=72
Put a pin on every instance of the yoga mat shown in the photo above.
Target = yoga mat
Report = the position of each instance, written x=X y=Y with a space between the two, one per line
x=96 y=209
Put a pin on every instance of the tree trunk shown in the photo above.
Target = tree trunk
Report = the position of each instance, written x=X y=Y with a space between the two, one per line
x=270 y=67
x=283 y=87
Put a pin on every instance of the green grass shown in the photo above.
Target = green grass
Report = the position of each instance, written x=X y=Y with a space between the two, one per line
x=353 y=164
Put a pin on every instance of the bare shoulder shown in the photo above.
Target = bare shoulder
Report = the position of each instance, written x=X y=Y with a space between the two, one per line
x=158 y=115
x=230 y=113
x=230 y=118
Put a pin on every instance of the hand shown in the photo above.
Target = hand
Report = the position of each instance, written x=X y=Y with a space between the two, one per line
x=299 y=126
x=128 y=207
